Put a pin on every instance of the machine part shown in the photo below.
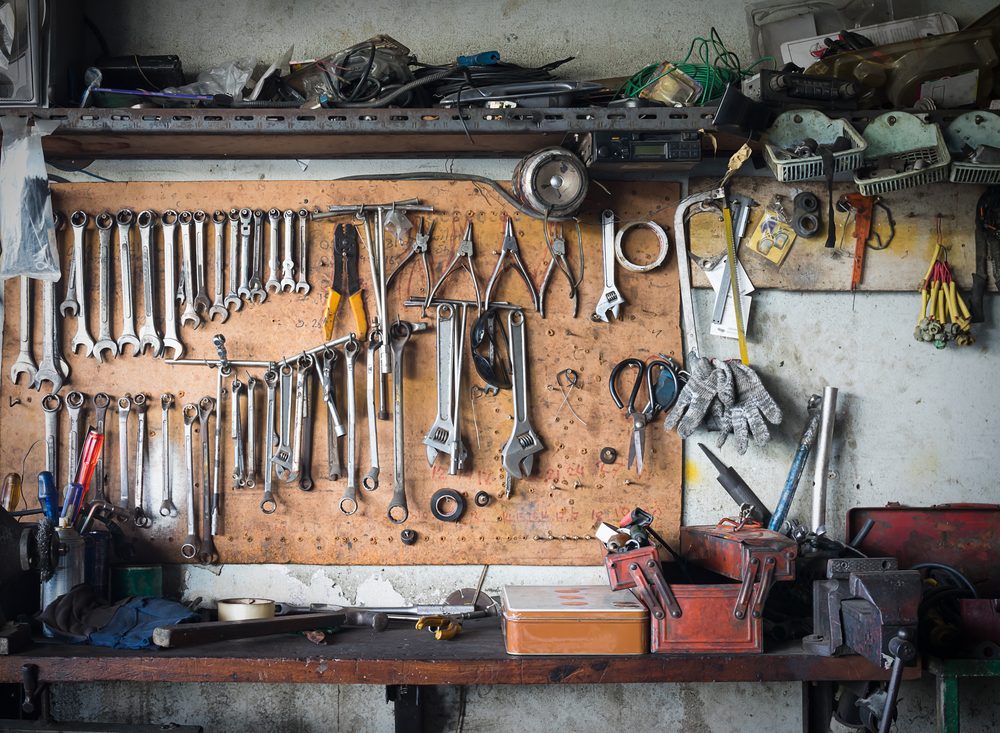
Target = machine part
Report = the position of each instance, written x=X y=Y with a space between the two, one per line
x=551 y=182
x=806 y=442
x=127 y=337
x=201 y=302
x=246 y=219
x=168 y=222
x=641 y=151
x=408 y=537
x=370 y=481
x=510 y=248
x=346 y=282
x=282 y=457
x=557 y=250
x=462 y=258
x=863 y=209
x=189 y=314
x=104 y=221
x=661 y=237
x=51 y=406
x=257 y=292
x=167 y=506
x=52 y=368
x=207 y=553
x=101 y=403
x=139 y=516
x=250 y=476
x=302 y=281
x=236 y=433
x=273 y=284
x=267 y=503
x=233 y=296
x=399 y=335
x=218 y=307
x=788 y=89
x=419 y=249
x=441 y=498
x=611 y=301
x=25 y=362
x=482 y=499
x=191 y=543
x=149 y=336
x=805 y=214
x=608 y=455
x=78 y=221
x=737 y=488
x=124 y=408
x=74 y=404
x=518 y=456
x=288 y=262
x=304 y=429
x=824 y=444
x=349 y=501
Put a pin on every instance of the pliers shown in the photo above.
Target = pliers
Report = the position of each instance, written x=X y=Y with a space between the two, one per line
x=510 y=247
x=345 y=257
x=558 y=252
x=462 y=258
x=419 y=247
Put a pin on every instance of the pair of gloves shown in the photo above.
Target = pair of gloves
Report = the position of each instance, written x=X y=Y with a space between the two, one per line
x=731 y=396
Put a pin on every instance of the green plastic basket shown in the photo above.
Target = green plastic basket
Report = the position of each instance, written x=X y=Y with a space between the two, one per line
x=792 y=127
x=903 y=137
x=973 y=129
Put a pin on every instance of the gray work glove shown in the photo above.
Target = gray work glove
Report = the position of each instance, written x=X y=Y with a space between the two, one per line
x=707 y=381
x=746 y=416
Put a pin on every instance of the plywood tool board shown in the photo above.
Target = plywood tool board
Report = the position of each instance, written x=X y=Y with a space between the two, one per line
x=549 y=515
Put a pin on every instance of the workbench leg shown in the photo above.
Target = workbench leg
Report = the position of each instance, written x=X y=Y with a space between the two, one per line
x=947 y=704
x=409 y=709
x=817 y=706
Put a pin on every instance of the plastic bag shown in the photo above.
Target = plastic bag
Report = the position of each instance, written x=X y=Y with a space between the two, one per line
x=27 y=230
x=229 y=79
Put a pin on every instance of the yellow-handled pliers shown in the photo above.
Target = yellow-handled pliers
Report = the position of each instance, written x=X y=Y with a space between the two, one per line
x=345 y=281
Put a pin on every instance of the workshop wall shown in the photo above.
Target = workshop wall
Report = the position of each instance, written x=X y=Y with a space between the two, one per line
x=913 y=423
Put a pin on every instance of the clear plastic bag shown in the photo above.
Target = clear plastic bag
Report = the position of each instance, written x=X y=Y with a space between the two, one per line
x=228 y=79
x=27 y=229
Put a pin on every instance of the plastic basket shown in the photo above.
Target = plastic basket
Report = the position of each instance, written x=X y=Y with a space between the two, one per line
x=791 y=128
x=973 y=129
x=903 y=137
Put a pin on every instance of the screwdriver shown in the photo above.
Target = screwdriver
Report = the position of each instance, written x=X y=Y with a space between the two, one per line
x=48 y=496
x=10 y=494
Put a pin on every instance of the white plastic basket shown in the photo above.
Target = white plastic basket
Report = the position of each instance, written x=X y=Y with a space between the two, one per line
x=903 y=138
x=973 y=129
x=794 y=126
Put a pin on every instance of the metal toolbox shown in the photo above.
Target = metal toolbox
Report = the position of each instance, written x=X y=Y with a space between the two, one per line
x=573 y=619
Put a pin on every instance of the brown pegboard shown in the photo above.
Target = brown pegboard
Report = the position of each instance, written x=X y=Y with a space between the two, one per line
x=570 y=490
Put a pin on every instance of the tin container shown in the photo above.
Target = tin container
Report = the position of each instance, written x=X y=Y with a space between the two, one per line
x=573 y=620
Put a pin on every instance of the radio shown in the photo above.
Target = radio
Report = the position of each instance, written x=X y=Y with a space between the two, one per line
x=642 y=150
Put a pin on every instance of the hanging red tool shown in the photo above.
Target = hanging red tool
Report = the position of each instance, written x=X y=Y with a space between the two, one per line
x=863 y=209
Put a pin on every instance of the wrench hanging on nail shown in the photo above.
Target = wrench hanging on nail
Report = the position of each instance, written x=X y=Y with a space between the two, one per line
x=105 y=342
x=25 y=362
x=250 y=477
x=51 y=406
x=168 y=222
x=127 y=337
x=190 y=314
x=325 y=367
x=77 y=271
x=167 y=506
x=257 y=292
x=207 y=554
x=246 y=219
x=273 y=285
x=149 y=337
x=218 y=304
x=201 y=302
x=302 y=283
x=287 y=263
x=349 y=501
x=139 y=516
x=267 y=503
x=191 y=544
x=233 y=296
x=101 y=403
x=236 y=433
x=74 y=404
x=124 y=407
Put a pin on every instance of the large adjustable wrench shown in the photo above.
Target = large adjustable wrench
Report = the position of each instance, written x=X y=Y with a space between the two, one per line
x=524 y=443
x=190 y=547
x=101 y=403
x=233 y=296
x=257 y=292
x=105 y=342
x=302 y=282
x=149 y=337
x=267 y=503
x=273 y=285
x=168 y=221
x=287 y=263
x=51 y=405
x=124 y=408
x=438 y=438
x=218 y=303
x=74 y=404
x=128 y=336
x=25 y=362
x=201 y=302
x=611 y=299
x=167 y=506
x=349 y=501
x=189 y=315
x=77 y=270
x=139 y=516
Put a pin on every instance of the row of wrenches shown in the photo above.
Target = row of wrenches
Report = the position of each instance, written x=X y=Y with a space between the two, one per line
x=246 y=282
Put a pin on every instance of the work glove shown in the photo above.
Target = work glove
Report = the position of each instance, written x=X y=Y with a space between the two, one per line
x=707 y=381
x=746 y=415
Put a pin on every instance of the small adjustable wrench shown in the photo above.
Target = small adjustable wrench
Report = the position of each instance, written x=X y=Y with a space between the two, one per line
x=124 y=407
x=189 y=315
x=201 y=302
x=101 y=403
x=246 y=217
x=128 y=336
x=218 y=304
x=51 y=405
x=302 y=283
x=233 y=296
x=190 y=547
x=74 y=404
x=439 y=437
x=287 y=263
x=105 y=342
x=140 y=517
x=167 y=506
x=272 y=285
x=82 y=338
x=236 y=433
x=250 y=476
x=267 y=503
x=168 y=221
x=257 y=292
x=611 y=299
x=349 y=501
x=149 y=337
x=25 y=362
x=518 y=456
x=282 y=458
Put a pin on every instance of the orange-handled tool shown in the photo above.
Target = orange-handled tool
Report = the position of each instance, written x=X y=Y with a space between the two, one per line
x=345 y=282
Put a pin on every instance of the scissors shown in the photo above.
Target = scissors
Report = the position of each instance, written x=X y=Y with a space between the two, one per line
x=639 y=418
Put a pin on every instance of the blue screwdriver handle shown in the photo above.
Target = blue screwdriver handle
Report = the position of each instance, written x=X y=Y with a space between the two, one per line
x=486 y=58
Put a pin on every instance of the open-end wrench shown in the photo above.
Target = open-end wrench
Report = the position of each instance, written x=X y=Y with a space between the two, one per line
x=272 y=285
x=439 y=437
x=201 y=301
x=190 y=547
x=167 y=506
x=105 y=342
x=101 y=403
x=139 y=516
x=233 y=296
x=370 y=481
x=127 y=337
x=236 y=433
x=302 y=282
x=334 y=427
x=246 y=217
x=349 y=501
x=250 y=475
x=124 y=407
x=257 y=292
x=51 y=405
x=611 y=299
x=25 y=362
x=52 y=368
x=207 y=554
x=168 y=222
x=399 y=335
x=304 y=427
x=189 y=315
x=287 y=263
x=267 y=503
x=519 y=453
x=282 y=458
x=74 y=404
x=70 y=305
x=77 y=271
x=218 y=304
x=149 y=337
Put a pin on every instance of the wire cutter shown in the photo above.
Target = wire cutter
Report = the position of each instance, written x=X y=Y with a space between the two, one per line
x=558 y=251
x=345 y=257
x=510 y=247
x=419 y=247
x=639 y=418
x=462 y=258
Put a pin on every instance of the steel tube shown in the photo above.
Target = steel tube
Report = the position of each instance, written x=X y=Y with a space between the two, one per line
x=823 y=445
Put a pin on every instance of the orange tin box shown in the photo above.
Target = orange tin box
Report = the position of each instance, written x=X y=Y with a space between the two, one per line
x=573 y=620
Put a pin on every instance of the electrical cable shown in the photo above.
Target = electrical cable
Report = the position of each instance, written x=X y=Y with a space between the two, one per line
x=952 y=571
x=459 y=79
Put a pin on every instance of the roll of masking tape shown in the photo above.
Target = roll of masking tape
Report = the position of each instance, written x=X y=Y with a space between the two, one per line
x=241 y=609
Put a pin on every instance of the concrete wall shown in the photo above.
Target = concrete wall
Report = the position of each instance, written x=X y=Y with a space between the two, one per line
x=914 y=424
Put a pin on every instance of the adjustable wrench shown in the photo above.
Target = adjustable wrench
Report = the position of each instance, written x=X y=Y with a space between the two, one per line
x=170 y=340
x=51 y=405
x=399 y=335
x=201 y=302
x=233 y=296
x=167 y=506
x=105 y=342
x=282 y=458
x=208 y=555
x=302 y=283
x=244 y=289
x=257 y=292
x=101 y=403
x=124 y=407
x=82 y=338
x=272 y=285
x=140 y=517
x=349 y=501
x=250 y=476
x=74 y=404
x=304 y=429
x=287 y=263
x=190 y=314
x=218 y=305
x=334 y=427
x=128 y=336
x=52 y=368
x=236 y=433
x=148 y=335
x=267 y=503
x=25 y=362
x=439 y=437
x=190 y=547
x=519 y=452
x=611 y=299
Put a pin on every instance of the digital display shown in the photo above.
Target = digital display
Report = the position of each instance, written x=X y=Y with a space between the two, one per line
x=649 y=149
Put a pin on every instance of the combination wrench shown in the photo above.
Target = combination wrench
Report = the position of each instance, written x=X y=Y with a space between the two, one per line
x=52 y=405
x=139 y=516
x=273 y=285
x=52 y=368
x=282 y=458
x=349 y=501
x=168 y=222
x=189 y=315
x=225 y=371
x=201 y=302
x=246 y=217
x=334 y=427
x=257 y=292
x=104 y=221
x=101 y=403
x=236 y=433
x=399 y=335
x=207 y=554
x=287 y=263
x=70 y=305
x=611 y=299
x=302 y=283
x=267 y=503
x=190 y=547
x=304 y=428
x=77 y=270
x=124 y=407
x=370 y=481
x=250 y=474
x=218 y=304
x=167 y=506
x=301 y=411
x=128 y=336
x=149 y=337
x=233 y=296
x=74 y=405
x=25 y=362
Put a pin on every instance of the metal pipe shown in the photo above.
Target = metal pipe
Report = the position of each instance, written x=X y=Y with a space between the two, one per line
x=823 y=445
x=216 y=363
x=361 y=209
x=416 y=302
x=798 y=464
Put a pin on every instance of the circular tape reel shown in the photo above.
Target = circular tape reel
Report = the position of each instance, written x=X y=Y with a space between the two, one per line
x=661 y=236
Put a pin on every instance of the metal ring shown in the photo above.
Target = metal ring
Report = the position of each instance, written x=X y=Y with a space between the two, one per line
x=661 y=236
x=268 y=506
x=440 y=497
x=50 y=397
x=483 y=499
x=608 y=455
x=352 y=504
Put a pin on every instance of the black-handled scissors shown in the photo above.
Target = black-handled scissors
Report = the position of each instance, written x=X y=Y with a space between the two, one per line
x=640 y=418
